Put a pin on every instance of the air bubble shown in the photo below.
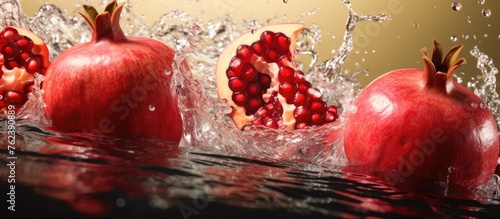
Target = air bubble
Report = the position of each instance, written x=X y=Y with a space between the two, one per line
x=486 y=12
x=485 y=35
x=465 y=36
x=453 y=38
x=285 y=1
x=152 y=108
x=451 y=169
x=416 y=25
x=481 y=2
x=456 y=6
x=253 y=30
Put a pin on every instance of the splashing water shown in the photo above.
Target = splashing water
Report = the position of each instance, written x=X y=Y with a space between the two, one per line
x=206 y=124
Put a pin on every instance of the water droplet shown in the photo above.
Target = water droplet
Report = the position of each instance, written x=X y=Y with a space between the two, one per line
x=130 y=4
x=485 y=35
x=373 y=51
x=168 y=72
x=499 y=36
x=474 y=105
x=482 y=106
x=285 y=1
x=486 y=12
x=481 y=2
x=433 y=7
x=142 y=16
x=297 y=53
x=1 y=97
x=465 y=36
x=469 y=20
x=453 y=38
x=416 y=25
x=456 y=6
x=120 y=202
x=334 y=50
x=253 y=30
x=152 y=108
x=451 y=169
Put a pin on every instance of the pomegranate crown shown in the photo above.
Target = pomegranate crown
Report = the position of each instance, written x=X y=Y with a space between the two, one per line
x=105 y=25
x=450 y=61
x=438 y=73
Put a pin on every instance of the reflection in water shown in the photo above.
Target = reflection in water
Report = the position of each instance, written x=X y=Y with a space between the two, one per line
x=146 y=178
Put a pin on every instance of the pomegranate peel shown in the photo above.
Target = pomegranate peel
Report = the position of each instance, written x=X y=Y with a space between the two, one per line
x=424 y=128
x=22 y=54
x=256 y=76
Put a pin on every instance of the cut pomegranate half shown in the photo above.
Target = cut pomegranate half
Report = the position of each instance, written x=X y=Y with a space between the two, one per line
x=256 y=75
x=22 y=54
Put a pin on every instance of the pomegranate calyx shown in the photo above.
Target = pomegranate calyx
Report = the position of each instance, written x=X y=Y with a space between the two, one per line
x=439 y=71
x=105 y=25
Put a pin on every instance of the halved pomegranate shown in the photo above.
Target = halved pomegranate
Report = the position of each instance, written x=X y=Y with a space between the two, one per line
x=22 y=54
x=257 y=77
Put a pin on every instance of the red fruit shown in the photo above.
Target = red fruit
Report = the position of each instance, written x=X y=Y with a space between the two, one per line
x=421 y=128
x=22 y=54
x=114 y=84
x=256 y=76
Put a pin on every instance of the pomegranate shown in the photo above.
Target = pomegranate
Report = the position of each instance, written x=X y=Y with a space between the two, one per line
x=257 y=77
x=420 y=128
x=114 y=84
x=22 y=54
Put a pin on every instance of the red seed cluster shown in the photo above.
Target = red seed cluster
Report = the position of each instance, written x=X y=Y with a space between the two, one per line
x=16 y=51
x=248 y=85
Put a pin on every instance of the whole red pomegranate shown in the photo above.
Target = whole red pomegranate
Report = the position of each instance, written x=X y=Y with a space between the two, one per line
x=22 y=54
x=114 y=84
x=257 y=77
x=421 y=128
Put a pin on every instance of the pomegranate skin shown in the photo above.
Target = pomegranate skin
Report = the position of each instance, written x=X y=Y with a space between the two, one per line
x=419 y=128
x=114 y=85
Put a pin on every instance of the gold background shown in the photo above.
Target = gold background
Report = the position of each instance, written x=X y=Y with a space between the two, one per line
x=385 y=46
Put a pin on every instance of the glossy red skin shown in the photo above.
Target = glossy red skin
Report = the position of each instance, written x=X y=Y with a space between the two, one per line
x=397 y=110
x=87 y=85
x=107 y=86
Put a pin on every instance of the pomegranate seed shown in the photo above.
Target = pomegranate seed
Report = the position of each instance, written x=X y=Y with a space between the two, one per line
x=236 y=64
x=244 y=52
x=267 y=39
x=304 y=86
x=287 y=90
x=318 y=106
x=257 y=49
x=254 y=103
x=24 y=43
x=9 y=51
x=286 y=74
x=253 y=89
x=282 y=42
x=249 y=73
x=265 y=81
x=271 y=56
x=13 y=97
x=236 y=84
x=300 y=99
x=239 y=98
x=301 y=114
x=317 y=119
x=32 y=65
x=8 y=34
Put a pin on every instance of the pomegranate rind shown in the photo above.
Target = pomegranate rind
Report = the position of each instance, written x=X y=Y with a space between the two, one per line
x=292 y=30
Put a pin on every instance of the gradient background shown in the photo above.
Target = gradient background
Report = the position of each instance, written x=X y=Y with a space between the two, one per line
x=385 y=46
